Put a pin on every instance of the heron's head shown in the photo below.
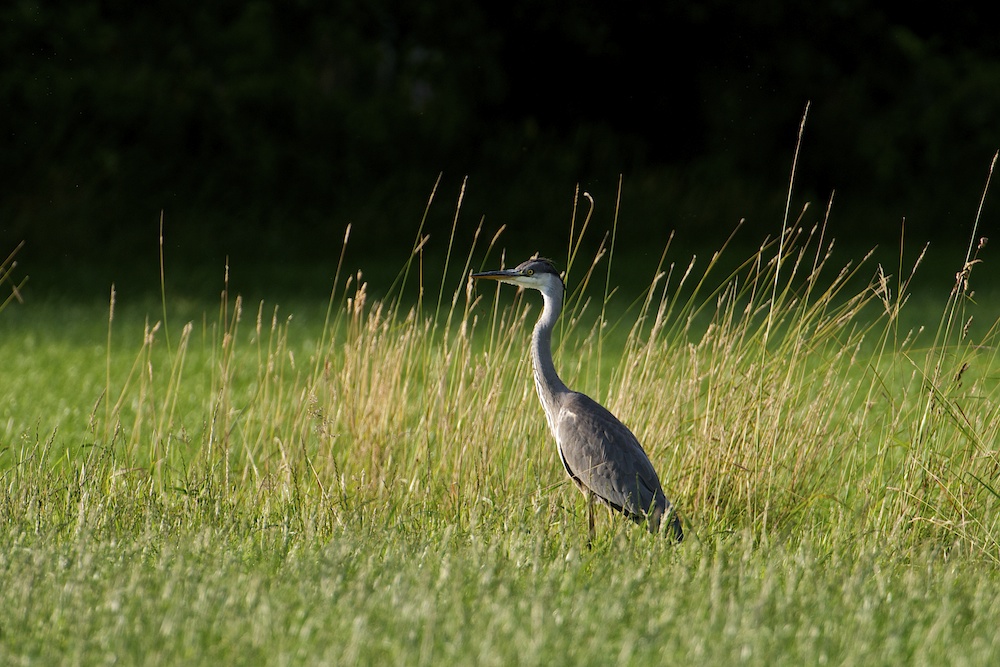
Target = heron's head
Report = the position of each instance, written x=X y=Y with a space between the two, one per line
x=537 y=274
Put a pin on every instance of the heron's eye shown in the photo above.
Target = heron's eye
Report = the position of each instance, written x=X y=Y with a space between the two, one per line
x=529 y=272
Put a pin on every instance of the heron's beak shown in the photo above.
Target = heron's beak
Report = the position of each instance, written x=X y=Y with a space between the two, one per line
x=497 y=275
x=505 y=276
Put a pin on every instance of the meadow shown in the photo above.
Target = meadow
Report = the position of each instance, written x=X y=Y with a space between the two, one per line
x=370 y=480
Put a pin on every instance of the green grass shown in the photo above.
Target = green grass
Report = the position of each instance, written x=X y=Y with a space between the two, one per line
x=365 y=482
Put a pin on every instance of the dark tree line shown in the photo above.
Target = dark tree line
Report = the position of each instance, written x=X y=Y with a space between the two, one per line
x=270 y=125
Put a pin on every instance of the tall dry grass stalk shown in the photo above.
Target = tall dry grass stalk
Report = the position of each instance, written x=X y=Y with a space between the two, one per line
x=7 y=281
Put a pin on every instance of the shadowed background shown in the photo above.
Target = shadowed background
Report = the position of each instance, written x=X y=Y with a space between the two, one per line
x=262 y=129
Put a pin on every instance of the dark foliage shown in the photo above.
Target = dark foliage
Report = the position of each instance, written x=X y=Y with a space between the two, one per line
x=268 y=126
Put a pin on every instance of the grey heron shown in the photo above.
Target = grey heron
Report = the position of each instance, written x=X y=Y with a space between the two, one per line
x=601 y=454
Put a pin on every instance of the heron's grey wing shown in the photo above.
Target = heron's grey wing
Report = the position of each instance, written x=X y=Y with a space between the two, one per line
x=603 y=455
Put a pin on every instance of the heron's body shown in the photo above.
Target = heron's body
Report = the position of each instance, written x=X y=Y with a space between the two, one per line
x=600 y=454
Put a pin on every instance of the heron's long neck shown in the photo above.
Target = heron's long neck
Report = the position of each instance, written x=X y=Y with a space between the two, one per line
x=547 y=381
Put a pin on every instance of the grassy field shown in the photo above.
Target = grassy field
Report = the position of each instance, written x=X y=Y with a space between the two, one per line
x=370 y=482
